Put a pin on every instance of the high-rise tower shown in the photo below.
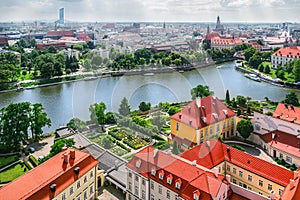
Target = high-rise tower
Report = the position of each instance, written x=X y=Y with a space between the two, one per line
x=61 y=16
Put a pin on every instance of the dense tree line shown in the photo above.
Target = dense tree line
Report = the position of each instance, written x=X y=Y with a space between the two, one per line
x=19 y=122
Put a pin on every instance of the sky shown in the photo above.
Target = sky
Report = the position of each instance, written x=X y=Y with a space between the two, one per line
x=152 y=10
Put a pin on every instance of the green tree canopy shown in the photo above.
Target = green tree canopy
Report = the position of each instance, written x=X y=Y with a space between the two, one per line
x=201 y=91
x=292 y=99
x=296 y=70
x=227 y=98
x=77 y=124
x=144 y=106
x=249 y=52
x=124 y=108
x=245 y=128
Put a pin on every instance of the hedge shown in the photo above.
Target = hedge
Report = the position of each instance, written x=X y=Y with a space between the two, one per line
x=33 y=161
x=27 y=165
x=238 y=147
x=123 y=146
x=157 y=137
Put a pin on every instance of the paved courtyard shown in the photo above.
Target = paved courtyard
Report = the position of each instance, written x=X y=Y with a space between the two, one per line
x=110 y=193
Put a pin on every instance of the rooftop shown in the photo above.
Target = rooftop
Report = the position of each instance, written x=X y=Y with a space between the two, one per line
x=287 y=112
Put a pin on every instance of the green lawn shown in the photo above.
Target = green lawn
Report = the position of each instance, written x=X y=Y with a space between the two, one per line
x=13 y=173
x=7 y=160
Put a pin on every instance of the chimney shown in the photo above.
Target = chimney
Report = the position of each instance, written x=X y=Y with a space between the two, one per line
x=292 y=183
x=72 y=154
x=65 y=158
x=228 y=178
x=296 y=175
x=272 y=195
x=216 y=172
x=273 y=136
x=76 y=170
x=155 y=153
x=198 y=102
x=194 y=162
x=64 y=149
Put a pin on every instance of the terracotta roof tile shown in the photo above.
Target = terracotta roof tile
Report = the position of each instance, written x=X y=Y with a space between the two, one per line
x=287 y=112
x=293 y=52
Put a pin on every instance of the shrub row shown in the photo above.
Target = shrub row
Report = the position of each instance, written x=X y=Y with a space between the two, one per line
x=117 y=135
x=33 y=161
x=123 y=146
x=27 y=165
x=162 y=145
x=238 y=147
x=285 y=164
x=157 y=137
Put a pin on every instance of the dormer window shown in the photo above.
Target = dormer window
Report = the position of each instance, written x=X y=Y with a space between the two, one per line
x=196 y=195
x=178 y=184
x=161 y=175
x=153 y=172
x=169 y=179
x=203 y=119
x=215 y=115
x=138 y=163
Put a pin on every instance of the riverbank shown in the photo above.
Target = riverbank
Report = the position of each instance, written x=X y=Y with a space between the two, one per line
x=28 y=85
x=268 y=79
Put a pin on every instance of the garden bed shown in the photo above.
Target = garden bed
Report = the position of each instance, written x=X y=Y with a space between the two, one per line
x=13 y=172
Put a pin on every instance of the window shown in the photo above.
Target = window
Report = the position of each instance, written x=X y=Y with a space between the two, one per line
x=63 y=196
x=136 y=191
x=71 y=190
x=249 y=178
x=91 y=189
x=85 y=179
x=130 y=175
x=280 y=156
x=159 y=189
x=136 y=178
x=143 y=182
x=196 y=196
x=85 y=195
x=161 y=176
x=228 y=168
x=129 y=186
x=152 y=185
x=224 y=125
x=260 y=183
x=234 y=170
x=201 y=134
x=78 y=198
x=168 y=194
x=280 y=192
x=169 y=180
x=177 y=126
x=178 y=185
x=218 y=127
x=269 y=187
x=143 y=194
x=249 y=188
x=206 y=132
x=240 y=173
x=241 y=184
x=234 y=181
x=91 y=174
x=288 y=159
x=153 y=172
x=211 y=131
x=78 y=184
x=152 y=197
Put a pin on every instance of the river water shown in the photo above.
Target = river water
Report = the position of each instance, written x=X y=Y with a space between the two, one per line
x=68 y=100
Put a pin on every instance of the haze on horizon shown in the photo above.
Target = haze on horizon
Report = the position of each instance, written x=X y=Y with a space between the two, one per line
x=152 y=10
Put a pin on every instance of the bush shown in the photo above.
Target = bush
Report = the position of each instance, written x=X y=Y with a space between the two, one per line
x=123 y=146
x=157 y=137
x=293 y=167
x=238 y=147
x=162 y=145
x=27 y=165
x=33 y=161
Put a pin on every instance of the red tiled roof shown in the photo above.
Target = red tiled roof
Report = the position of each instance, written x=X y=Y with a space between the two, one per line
x=212 y=35
x=237 y=197
x=83 y=37
x=209 y=154
x=202 y=112
x=287 y=113
x=191 y=177
x=292 y=193
x=226 y=40
x=293 y=52
x=67 y=33
x=36 y=183
x=283 y=141
x=3 y=41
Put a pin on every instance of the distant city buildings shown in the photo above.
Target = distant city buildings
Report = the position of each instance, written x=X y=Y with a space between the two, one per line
x=219 y=27
x=61 y=16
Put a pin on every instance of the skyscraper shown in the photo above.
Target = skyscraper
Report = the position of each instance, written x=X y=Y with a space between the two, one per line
x=61 y=16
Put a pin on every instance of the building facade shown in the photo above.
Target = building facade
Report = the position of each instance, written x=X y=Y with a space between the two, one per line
x=71 y=174
x=284 y=56
x=201 y=119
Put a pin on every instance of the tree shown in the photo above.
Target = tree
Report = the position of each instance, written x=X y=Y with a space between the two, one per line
x=255 y=61
x=175 y=148
x=245 y=128
x=261 y=68
x=292 y=99
x=124 y=108
x=110 y=118
x=97 y=111
x=248 y=110
x=59 y=144
x=227 y=98
x=144 y=106
x=77 y=124
x=296 y=70
x=201 y=91
x=106 y=143
x=249 y=52
x=158 y=121
x=280 y=74
x=267 y=69
x=241 y=100
x=38 y=120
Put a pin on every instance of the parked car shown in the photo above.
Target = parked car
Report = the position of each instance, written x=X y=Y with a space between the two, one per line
x=31 y=149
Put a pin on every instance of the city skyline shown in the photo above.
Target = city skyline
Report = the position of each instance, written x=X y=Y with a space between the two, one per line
x=152 y=10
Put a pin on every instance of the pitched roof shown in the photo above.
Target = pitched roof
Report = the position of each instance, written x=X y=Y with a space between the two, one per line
x=292 y=192
x=213 y=152
x=202 y=112
x=191 y=177
x=69 y=33
x=293 y=52
x=287 y=112
x=283 y=141
x=36 y=183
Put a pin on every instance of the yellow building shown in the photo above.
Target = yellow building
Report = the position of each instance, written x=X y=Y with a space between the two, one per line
x=201 y=119
x=244 y=169
x=71 y=174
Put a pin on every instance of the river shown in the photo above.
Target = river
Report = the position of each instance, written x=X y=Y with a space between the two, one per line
x=68 y=100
